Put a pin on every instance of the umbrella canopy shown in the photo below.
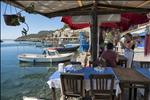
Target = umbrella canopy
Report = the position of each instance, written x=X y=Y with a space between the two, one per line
x=127 y=20
x=68 y=20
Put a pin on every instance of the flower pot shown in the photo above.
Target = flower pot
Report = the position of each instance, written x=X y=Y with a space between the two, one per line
x=11 y=20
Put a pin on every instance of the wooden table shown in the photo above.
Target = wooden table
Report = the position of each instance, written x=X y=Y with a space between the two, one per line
x=129 y=78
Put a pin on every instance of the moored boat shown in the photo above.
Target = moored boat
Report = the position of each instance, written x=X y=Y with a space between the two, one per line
x=49 y=55
x=67 y=48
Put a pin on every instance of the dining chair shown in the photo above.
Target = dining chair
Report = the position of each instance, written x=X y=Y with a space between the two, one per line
x=72 y=85
x=102 y=86
x=145 y=64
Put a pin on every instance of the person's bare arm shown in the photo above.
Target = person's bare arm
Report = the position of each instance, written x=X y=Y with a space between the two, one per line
x=117 y=57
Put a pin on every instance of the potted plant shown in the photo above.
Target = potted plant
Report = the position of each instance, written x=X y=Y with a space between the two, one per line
x=13 y=19
x=17 y=19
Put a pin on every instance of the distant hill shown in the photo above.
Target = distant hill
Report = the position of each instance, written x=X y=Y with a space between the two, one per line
x=39 y=36
x=35 y=37
x=46 y=35
x=45 y=32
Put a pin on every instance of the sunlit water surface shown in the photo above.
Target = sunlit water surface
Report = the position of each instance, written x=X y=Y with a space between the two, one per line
x=23 y=79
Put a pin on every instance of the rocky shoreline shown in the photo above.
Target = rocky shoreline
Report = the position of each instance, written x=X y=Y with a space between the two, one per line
x=50 y=35
x=32 y=38
x=35 y=37
x=40 y=36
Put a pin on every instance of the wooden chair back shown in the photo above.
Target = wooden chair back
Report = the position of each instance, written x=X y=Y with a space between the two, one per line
x=102 y=84
x=72 y=85
x=145 y=64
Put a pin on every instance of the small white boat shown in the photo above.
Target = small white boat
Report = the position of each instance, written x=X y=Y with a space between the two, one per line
x=31 y=98
x=49 y=55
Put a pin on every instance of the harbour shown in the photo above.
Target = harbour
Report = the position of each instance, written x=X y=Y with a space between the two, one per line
x=71 y=50
x=18 y=79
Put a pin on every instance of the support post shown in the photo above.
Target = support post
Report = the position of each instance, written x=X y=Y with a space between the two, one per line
x=101 y=40
x=94 y=35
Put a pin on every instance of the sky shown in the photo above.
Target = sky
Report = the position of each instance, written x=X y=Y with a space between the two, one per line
x=35 y=22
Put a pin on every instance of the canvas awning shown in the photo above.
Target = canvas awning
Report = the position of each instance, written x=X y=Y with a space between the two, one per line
x=53 y=8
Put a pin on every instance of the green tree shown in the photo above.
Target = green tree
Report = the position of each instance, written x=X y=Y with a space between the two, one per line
x=65 y=26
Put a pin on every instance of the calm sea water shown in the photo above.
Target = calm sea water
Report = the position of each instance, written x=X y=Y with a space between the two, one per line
x=23 y=79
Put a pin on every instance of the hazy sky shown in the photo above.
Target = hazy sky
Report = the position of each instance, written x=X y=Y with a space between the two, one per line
x=36 y=23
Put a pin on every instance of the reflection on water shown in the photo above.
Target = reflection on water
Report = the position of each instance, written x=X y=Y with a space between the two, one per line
x=25 y=64
x=13 y=43
x=23 y=79
x=34 y=76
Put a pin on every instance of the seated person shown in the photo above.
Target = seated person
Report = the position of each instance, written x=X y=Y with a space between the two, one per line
x=110 y=56
x=44 y=53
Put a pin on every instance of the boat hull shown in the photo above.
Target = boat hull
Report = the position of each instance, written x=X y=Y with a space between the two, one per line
x=43 y=58
x=67 y=49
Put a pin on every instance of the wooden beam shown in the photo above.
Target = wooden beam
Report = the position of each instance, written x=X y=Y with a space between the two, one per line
x=80 y=3
x=109 y=11
x=18 y=5
x=68 y=13
x=144 y=3
x=88 y=12
x=83 y=9
x=14 y=3
x=122 y=7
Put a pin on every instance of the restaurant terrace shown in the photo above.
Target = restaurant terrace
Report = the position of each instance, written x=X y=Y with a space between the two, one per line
x=136 y=11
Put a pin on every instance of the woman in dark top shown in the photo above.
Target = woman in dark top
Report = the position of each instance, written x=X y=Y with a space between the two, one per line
x=110 y=56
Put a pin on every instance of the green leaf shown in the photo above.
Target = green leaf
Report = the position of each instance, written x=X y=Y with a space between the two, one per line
x=22 y=19
x=15 y=21
x=24 y=30
x=30 y=8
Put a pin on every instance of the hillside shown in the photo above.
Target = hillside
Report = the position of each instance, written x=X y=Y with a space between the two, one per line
x=35 y=37
x=48 y=35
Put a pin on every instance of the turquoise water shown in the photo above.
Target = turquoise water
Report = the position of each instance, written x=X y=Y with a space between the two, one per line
x=22 y=79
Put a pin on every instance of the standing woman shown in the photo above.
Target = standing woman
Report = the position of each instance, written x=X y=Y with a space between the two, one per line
x=129 y=46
